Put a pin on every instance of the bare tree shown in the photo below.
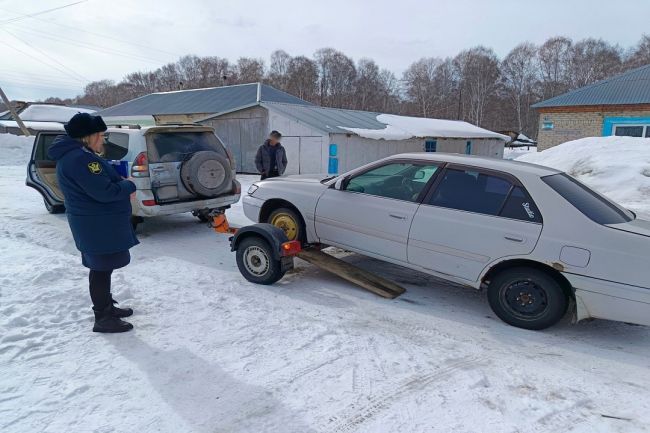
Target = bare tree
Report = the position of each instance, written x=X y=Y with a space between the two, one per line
x=302 y=78
x=554 y=59
x=336 y=78
x=278 y=69
x=478 y=72
x=419 y=82
x=519 y=77
x=249 y=70
x=592 y=60
x=639 y=55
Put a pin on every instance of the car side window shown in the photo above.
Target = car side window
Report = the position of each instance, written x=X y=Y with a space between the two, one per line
x=520 y=207
x=401 y=181
x=482 y=193
x=471 y=191
x=116 y=145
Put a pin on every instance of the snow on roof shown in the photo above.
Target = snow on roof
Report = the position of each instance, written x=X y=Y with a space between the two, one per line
x=36 y=126
x=403 y=128
x=51 y=113
x=618 y=167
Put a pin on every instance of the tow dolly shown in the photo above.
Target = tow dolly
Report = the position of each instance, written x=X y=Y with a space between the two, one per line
x=264 y=254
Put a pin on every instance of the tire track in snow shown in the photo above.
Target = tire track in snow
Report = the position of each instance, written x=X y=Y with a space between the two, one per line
x=349 y=422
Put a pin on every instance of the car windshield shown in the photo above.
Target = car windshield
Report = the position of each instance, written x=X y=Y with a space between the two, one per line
x=593 y=205
x=178 y=146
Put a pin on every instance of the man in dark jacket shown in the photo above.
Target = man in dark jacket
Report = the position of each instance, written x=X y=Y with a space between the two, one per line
x=98 y=207
x=271 y=159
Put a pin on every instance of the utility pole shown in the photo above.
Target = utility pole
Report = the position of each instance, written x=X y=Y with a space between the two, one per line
x=13 y=113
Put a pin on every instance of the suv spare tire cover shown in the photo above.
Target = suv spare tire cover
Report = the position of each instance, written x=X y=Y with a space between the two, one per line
x=206 y=173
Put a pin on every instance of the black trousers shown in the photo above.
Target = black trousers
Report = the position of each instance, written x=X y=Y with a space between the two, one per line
x=100 y=289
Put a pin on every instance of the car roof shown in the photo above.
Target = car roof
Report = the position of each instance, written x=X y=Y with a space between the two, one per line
x=505 y=165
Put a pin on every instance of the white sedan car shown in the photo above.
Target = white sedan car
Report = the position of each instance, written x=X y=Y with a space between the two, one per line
x=536 y=238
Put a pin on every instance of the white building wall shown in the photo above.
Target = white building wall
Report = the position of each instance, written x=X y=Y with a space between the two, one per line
x=355 y=151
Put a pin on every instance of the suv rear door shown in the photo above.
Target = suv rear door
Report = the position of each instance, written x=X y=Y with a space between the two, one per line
x=167 y=149
x=470 y=218
x=41 y=170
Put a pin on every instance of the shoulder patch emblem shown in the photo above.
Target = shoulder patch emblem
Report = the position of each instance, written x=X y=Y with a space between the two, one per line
x=95 y=167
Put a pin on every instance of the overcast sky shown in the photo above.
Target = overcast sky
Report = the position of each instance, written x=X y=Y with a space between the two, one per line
x=55 y=54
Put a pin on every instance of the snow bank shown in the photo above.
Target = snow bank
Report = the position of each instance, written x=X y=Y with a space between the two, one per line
x=403 y=128
x=51 y=113
x=618 y=167
x=14 y=149
x=516 y=152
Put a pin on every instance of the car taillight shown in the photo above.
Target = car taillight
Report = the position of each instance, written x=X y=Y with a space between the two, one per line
x=140 y=167
x=148 y=202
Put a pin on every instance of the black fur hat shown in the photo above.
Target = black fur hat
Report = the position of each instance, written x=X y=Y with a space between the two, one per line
x=84 y=124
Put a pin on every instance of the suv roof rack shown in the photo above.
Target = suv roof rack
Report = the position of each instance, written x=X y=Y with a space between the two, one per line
x=124 y=125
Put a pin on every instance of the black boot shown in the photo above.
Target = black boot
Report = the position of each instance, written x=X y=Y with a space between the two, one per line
x=107 y=323
x=120 y=312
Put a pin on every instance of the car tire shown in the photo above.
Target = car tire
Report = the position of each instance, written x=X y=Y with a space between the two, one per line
x=207 y=174
x=290 y=222
x=527 y=298
x=256 y=262
x=53 y=209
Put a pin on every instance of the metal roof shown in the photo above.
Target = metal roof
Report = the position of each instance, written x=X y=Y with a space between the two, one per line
x=378 y=125
x=328 y=119
x=195 y=101
x=631 y=87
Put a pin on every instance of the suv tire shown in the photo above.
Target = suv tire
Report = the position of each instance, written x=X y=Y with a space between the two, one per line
x=527 y=298
x=207 y=173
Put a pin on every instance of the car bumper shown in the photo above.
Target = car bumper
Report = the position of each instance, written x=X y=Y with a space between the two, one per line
x=609 y=300
x=140 y=209
x=252 y=207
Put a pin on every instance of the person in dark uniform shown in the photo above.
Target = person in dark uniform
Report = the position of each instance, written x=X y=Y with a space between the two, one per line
x=271 y=158
x=98 y=207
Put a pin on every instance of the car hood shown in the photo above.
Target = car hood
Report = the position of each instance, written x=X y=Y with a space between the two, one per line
x=637 y=226
x=308 y=178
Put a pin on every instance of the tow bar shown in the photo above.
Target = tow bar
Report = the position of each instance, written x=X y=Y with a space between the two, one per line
x=264 y=255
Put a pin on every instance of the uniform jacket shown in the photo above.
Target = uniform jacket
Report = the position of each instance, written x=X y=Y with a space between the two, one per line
x=263 y=158
x=97 y=199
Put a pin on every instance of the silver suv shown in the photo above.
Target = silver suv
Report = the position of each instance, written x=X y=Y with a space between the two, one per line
x=176 y=169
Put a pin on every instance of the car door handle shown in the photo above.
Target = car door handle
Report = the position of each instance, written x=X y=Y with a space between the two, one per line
x=514 y=238
x=399 y=217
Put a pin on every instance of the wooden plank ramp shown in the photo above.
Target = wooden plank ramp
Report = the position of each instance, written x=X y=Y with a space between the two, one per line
x=367 y=280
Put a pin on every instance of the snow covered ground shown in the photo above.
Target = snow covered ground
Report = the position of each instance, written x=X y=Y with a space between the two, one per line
x=213 y=353
x=618 y=167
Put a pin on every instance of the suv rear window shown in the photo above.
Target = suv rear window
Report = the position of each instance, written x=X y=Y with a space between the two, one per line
x=178 y=146
x=591 y=204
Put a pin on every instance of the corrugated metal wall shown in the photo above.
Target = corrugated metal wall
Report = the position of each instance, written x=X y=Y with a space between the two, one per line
x=308 y=148
x=243 y=132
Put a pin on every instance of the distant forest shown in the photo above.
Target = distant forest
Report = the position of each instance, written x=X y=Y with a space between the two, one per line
x=475 y=85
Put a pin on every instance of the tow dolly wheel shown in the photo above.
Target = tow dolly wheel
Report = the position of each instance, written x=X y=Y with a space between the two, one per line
x=256 y=261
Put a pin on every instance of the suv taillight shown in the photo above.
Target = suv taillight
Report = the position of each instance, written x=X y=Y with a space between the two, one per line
x=140 y=167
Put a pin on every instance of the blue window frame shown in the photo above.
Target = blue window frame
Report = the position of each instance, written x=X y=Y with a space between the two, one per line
x=430 y=145
x=611 y=124
x=468 y=148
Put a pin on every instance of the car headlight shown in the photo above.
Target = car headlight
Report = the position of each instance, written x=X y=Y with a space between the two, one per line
x=252 y=189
